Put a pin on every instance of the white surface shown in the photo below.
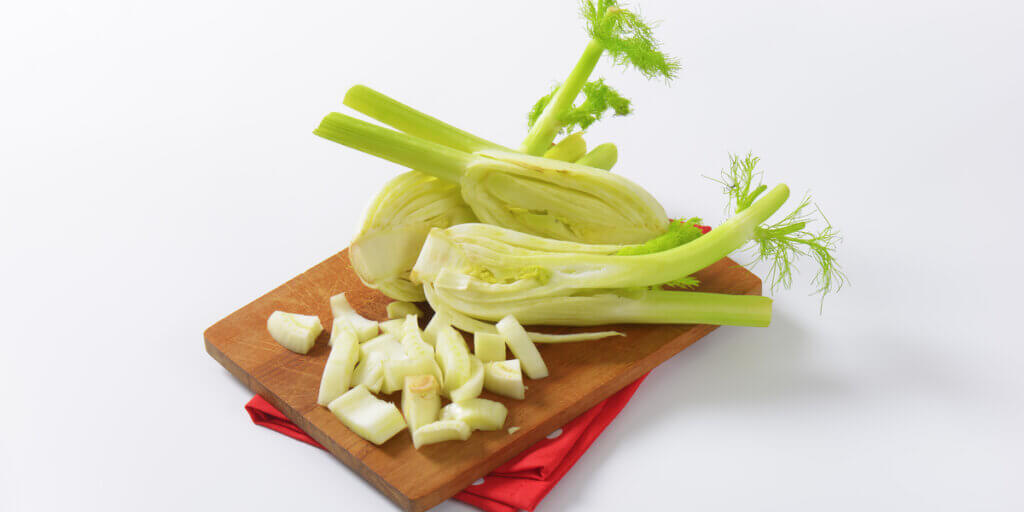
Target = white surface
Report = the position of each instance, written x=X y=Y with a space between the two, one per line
x=159 y=172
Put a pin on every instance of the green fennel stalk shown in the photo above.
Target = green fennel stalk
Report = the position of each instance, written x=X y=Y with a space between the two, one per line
x=629 y=40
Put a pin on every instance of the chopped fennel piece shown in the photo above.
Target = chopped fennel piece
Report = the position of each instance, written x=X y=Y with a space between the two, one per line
x=521 y=346
x=454 y=358
x=478 y=413
x=341 y=326
x=513 y=430
x=473 y=385
x=370 y=371
x=489 y=346
x=385 y=343
x=411 y=325
x=420 y=400
x=412 y=340
x=401 y=309
x=369 y=417
x=293 y=331
x=439 y=432
x=365 y=328
x=393 y=326
x=395 y=372
x=504 y=378
x=436 y=325
x=341 y=362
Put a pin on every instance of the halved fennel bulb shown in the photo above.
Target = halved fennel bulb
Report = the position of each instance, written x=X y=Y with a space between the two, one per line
x=488 y=273
x=532 y=194
x=395 y=226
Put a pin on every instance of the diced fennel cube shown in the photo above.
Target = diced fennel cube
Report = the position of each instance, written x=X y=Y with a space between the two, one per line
x=338 y=371
x=489 y=346
x=473 y=385
x=365 y=328
x=453 y=356
x=400 y=309
x=440 y=431
x=385 y=343
x=371 y=418
x=504 y=378
x=522 y=347
x=395 y=372
x=370 y=371
x=478 y=413
x=393 y=327
x=293 y=331
x=435 y=326
x=420 y=400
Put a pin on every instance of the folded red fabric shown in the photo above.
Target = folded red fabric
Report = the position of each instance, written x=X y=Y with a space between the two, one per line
x=520 y=483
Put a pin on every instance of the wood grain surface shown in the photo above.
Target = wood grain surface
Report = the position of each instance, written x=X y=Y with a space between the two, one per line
x=582 y=374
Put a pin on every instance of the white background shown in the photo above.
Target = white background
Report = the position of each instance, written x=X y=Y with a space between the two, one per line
x=158 y=172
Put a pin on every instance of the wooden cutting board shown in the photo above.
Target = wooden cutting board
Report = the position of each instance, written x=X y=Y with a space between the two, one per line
x=581 y=375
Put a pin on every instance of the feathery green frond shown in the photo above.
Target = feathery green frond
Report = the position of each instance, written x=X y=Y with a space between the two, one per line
x=627 y=38
x=679 y=232
x=782 y=243
x=598 y=99
x=779 y=244
x=738 y=180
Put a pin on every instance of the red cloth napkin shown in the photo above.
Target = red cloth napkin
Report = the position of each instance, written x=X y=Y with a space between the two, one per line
x=520 y=483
